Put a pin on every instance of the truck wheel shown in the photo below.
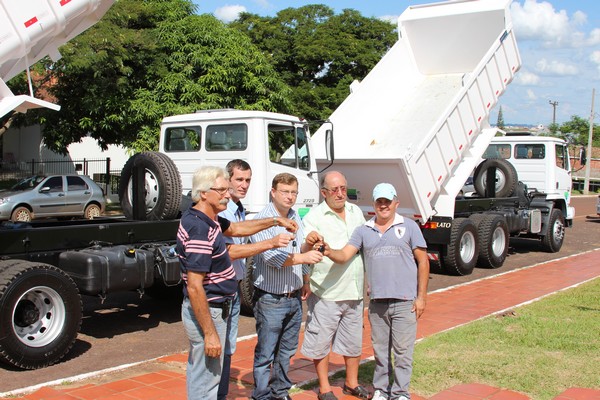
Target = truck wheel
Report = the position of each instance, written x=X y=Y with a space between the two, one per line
x=162 y=186
x=506 y=177
x=40 y=314
x=247 y=289
x=463 y=248
x=21 y=214
x=493 y=241
x=555 y=232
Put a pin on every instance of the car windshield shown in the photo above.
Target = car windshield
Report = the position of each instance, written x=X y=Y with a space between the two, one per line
x=28 y=183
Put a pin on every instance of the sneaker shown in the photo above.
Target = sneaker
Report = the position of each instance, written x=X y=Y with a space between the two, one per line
x=379 y=395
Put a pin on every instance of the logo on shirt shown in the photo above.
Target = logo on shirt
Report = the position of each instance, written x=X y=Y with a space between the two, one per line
x=400 y=231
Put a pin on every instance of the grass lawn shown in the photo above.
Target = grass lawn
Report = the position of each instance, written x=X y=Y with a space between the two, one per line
x=543 y=349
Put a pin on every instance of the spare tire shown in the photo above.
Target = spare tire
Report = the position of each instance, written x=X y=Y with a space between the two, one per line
x=506 y=177
x=162 y=186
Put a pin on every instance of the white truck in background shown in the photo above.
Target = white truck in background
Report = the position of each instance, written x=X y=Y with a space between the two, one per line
x=419 y=120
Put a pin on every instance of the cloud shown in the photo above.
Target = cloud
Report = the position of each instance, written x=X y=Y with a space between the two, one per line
x=390 y=18
x=526 y=78
x=541 y=22
x=229 y=12
x=545 y=67
x=531 y=95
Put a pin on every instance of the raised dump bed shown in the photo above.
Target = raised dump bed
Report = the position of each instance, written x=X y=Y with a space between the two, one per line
x=33 y=29
x=418 y=120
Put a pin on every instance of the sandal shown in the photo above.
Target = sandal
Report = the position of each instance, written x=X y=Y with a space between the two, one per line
x=327 y=396
x=358 y=391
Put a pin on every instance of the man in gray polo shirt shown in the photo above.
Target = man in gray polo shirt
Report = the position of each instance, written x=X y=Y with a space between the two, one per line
x=397 y=268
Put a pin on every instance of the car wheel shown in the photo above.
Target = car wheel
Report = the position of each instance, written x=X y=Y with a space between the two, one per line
x=21 y=214
x=92 y=211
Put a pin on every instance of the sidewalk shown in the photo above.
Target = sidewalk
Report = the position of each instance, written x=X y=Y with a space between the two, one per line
x=446 y=309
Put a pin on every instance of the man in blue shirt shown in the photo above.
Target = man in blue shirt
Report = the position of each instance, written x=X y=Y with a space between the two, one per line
x=395 y=256
x=240 y=176
x=281 y=282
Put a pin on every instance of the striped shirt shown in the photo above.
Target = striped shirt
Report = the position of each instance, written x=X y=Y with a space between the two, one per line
x=269 y=275
x=201 y=248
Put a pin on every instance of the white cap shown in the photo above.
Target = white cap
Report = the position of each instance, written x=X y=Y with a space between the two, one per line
x=384 y=190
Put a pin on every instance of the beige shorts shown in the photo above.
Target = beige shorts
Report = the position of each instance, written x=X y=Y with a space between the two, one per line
x=333 y=326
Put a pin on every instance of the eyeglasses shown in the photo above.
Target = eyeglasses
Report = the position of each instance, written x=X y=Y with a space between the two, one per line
x=292 y=193
x=220 y=191
x=340 y=189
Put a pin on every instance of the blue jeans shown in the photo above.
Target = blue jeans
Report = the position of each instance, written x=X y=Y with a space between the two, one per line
x=232 y=333
x=203 y=373
x=278 y=321
x=393 y=333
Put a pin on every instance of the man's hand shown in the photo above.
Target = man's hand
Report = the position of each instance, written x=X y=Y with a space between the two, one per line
x=212 y=345
x=313 y=238
x=289 y=224
x=305 y=291
x=281 y=240
x=312 y=257
x=418 y=306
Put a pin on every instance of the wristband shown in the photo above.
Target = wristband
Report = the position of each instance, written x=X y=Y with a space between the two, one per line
x=275 y=221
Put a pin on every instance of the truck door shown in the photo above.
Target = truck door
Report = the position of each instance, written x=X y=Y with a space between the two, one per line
x=289 y=151
x=563 y=170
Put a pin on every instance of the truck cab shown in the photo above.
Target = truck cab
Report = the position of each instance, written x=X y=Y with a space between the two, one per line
x=271 y=143
x=542 y=163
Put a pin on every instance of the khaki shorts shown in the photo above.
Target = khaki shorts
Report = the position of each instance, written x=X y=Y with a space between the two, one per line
x=333 y=326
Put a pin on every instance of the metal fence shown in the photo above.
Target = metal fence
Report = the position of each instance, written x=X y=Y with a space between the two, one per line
x=97 y=169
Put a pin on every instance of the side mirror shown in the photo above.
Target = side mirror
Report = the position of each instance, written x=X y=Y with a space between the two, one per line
x=45 y=189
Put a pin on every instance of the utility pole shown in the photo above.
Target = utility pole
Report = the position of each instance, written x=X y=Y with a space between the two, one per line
x=554 y=104
x=588 y=164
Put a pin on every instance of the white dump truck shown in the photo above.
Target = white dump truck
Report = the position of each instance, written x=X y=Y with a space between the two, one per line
x=419 y=120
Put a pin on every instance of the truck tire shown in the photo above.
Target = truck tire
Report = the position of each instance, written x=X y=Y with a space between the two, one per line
x=463 y=249
x=162 y=186
x=40 y=314
x=492 y=231
x=247 y=289
x=506 y=177
x=555 y=232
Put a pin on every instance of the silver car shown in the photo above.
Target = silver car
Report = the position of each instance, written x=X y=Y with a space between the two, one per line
x=52 y=196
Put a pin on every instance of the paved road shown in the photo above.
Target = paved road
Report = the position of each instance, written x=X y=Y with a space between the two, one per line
x=127 y=329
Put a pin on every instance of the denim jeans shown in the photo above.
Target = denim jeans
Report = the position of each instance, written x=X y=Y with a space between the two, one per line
x=393 y=331
x=232 y=333
x=278 y=322
x=203 y=373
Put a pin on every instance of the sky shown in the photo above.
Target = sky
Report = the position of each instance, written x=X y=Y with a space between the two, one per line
x=559 y=43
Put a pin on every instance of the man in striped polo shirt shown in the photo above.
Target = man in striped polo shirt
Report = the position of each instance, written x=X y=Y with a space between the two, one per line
x=209 y=281
x=281 y=281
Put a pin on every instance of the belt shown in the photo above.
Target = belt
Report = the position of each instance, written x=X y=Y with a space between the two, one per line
x=221 y=305
x=289 y=295
x=387 y=300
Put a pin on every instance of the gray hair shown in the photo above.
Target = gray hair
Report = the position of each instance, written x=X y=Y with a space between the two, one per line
x=204 y=178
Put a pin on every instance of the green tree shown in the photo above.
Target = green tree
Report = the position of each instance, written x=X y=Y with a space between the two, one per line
x=319 y=53
x=500 y=123
x=577 y=130
x=148 y=59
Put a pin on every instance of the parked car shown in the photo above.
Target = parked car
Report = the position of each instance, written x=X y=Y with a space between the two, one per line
x=38 y=196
